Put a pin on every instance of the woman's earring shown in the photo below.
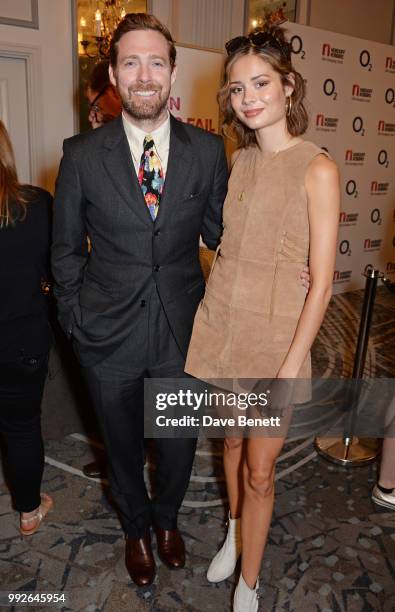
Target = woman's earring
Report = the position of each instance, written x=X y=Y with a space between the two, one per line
x=288 y=105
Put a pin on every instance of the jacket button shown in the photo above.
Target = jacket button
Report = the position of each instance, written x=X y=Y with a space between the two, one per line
x=156 y=268
x=143 y=303
x=156 y=232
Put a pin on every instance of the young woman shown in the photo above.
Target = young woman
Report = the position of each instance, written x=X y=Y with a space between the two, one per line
x=25 y=214
x=255 y=320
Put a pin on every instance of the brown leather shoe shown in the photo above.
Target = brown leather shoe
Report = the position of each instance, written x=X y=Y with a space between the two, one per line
x=94 y=470
x=171 y=547
x=139 y=560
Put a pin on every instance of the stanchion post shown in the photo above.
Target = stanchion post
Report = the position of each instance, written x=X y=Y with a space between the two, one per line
x=350 y=450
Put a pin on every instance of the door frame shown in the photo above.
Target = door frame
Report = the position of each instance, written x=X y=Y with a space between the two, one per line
x=32 y=57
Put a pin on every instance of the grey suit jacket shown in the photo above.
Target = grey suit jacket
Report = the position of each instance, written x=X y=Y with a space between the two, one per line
x=101 y=293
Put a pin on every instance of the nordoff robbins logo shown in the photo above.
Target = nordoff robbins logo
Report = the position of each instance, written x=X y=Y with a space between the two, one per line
x=361 y=94
x=347 y=219
x=372 y=245
x=326 y=124
x=341 y=276
x=378 y=188
x=332 y=54
x=354 y=158
x=386 y=129
x=390 y=64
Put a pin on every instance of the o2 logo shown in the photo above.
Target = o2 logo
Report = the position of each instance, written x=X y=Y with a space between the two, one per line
x=390 y=96
x=375 y=216
x=297 y=46
x=329 y=88
x=344 y=248
x=357 y=126
x=351 y=188
x=382 y=158
x=364 y=60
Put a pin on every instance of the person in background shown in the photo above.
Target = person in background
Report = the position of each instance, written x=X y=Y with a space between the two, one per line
x=255 y=321
x=104 y=106
x=383 y=492
x=103 y=98
x=25 y=221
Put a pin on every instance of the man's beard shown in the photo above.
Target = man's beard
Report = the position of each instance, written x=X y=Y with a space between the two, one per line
x=144 y=108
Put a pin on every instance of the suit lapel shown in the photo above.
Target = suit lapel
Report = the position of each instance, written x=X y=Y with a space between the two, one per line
x=118 y=163
x=178 y=171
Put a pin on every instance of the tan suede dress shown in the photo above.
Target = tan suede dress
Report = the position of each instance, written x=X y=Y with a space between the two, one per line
x=245 y=324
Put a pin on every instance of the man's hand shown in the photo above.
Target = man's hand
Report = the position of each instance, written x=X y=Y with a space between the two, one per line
x=305 y=278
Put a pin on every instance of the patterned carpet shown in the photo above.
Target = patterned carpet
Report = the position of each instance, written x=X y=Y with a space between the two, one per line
x=330 y=548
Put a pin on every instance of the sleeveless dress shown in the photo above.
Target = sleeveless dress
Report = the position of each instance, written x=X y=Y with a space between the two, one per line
x=246 y=321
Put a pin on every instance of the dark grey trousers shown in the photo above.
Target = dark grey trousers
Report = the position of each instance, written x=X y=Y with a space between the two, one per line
x=116 y=386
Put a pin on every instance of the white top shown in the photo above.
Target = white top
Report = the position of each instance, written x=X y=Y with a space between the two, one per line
x=161 y=137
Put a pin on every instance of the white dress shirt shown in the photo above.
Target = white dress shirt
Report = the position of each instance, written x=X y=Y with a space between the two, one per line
x=161 y=137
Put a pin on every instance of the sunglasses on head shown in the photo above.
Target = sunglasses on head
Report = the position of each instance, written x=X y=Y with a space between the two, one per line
x=259 y=39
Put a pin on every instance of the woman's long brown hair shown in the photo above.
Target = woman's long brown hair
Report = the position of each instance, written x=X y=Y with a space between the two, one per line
x=12 y=196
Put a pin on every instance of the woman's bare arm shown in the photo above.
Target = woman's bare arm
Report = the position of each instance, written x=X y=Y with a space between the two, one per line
x=323 y=192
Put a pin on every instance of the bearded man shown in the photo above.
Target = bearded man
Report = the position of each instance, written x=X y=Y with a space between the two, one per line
x=143 y=187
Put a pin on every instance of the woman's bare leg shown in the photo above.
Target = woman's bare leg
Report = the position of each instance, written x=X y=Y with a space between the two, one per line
x=257 y=507
x=233 y=468
x=387 y=467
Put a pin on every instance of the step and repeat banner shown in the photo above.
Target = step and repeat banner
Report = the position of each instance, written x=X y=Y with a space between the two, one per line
x=351 y=104
x=194 y=94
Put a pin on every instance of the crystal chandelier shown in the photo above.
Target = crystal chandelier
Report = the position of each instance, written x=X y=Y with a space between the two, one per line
x=96 y=28
x=269 y=17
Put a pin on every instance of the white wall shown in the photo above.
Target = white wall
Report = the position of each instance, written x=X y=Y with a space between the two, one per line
x=54 y=40
x=202 y=23
x=360 y=18
x=209 y=23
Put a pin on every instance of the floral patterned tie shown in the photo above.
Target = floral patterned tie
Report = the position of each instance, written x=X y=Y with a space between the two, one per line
x=151 y=176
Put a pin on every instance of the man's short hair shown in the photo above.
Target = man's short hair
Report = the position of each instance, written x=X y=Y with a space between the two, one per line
x=140 y=21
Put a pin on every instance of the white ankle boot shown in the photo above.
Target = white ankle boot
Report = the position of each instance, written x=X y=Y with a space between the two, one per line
x=245 y=599
x=224 y=563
